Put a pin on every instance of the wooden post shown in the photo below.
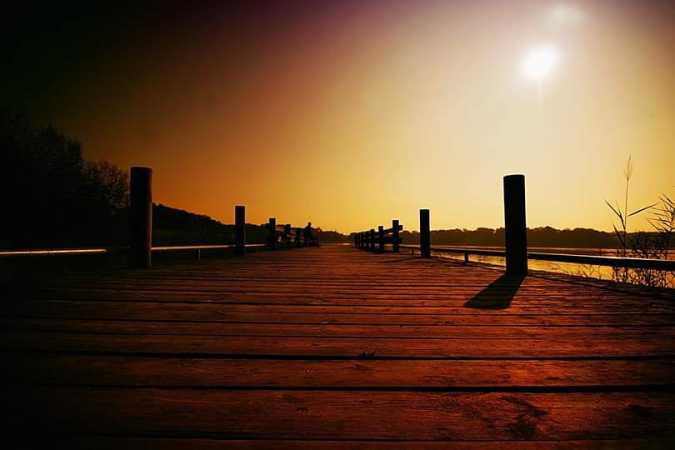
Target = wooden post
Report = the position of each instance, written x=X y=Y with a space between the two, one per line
x=515 y=231
x=380 y=239
x=298 y=237
x=425 y=234
x=272 y=233
x=287 y=235
x=394 y=235
x=239 y=230
x=372 y=240
x=140 y=217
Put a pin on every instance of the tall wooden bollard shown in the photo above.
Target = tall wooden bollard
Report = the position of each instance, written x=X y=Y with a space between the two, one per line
x=140 y=217
x=394 y=235
x=425 y=234
x=515 y=231
x=239 y=230
x=272 y=233
x=380 y=239
x=372 y=240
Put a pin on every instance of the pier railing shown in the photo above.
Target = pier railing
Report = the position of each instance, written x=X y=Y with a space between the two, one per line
x=140 y=249
x=515 y=233
x=286 y=236
x=375 y=241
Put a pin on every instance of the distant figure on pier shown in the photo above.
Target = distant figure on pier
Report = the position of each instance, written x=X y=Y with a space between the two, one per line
x=308 y=235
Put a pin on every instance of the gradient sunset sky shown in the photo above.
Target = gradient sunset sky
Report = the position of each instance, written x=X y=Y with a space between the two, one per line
x=351 y=113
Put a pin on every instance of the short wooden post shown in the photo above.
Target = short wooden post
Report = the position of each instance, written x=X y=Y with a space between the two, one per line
x=515 y=231
x=239 y=230
x=466 y=257
x=272 y=233
x=372 y=240
x=140 y=217
x=394 y=235
x=380 y=239
x=425 y=234
x=287 y=235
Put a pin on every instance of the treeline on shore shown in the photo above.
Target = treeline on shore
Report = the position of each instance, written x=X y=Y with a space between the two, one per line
x=536 y=237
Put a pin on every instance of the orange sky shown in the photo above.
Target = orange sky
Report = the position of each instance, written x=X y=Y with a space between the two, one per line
x=352 y=113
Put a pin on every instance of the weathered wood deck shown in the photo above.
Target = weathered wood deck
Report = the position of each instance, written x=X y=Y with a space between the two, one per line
x=330 y=347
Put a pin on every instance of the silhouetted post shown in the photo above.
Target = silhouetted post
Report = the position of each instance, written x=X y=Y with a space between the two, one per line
x=140 y=217
x=515 y=232
x=380 y=239
x=287 y=235
x=425 y=234
x=272 y=233
x=298 y=237
x=239 y=230
x=372 y=240
x=394 y=235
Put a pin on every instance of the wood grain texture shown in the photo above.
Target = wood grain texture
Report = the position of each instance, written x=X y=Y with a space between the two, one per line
x=116 y=443
x=333 y=348
x=280 y=414
x=109 y=370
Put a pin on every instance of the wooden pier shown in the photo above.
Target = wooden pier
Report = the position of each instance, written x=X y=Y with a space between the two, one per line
x=332 y=347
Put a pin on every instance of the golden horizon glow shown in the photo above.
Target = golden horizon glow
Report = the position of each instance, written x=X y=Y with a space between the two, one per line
x=351 y=118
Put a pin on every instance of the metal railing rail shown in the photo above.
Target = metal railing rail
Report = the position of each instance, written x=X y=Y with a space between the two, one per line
x=94 y=251
x=608 y=261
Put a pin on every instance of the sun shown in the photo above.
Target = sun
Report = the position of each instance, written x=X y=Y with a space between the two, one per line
x=538 y=62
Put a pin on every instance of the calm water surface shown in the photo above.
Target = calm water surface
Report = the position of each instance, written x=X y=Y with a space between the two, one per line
x=599 y=272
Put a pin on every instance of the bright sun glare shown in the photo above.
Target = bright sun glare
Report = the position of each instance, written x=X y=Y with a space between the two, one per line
x=539 y=62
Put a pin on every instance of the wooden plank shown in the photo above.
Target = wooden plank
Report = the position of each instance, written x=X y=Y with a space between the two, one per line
x=343 y=414
x=189 y=311
x=58 y=369
x=520 y=302
x=147 y=327
x=116 y=443
x=604 y=347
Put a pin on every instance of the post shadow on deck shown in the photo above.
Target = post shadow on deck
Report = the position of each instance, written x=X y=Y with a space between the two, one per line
x=140 y=217
x=498 y=294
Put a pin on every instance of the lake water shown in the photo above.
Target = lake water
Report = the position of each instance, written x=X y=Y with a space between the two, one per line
x=586 y=270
